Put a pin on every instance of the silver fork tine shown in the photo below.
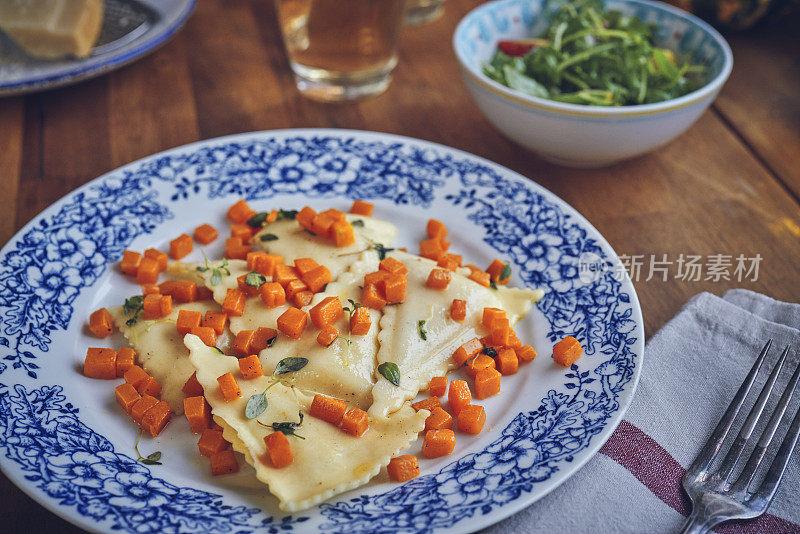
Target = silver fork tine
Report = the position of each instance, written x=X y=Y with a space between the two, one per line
x=770 y=485
x=729 y=463
x=767 y=435
x=714 y=443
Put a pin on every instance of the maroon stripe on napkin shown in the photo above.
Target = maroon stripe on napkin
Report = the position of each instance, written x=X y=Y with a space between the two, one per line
x=654 y=467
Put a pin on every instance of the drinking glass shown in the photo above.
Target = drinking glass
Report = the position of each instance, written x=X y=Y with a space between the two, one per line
x=420 y=12
x=341 y=49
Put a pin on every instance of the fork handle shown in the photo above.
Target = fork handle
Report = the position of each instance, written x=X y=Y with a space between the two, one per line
x=697 y=522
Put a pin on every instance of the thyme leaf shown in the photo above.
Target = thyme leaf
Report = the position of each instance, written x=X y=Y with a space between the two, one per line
x=423 y=334
x=290 y=365
x=255 y=279
x=390 y=372
x=258 y=220
x=256 y=405
x=288 y=427
x=489 y=351
x=286 y=215
x=133 y=306
x=381 y=250
x=268 y=237
x=506 y=272
x=150 y=459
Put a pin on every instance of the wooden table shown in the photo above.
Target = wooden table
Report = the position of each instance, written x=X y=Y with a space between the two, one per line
x=730 y=185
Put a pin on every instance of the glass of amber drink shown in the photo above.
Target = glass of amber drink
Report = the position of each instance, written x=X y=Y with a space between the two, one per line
x=341 y=49
x=420 y=12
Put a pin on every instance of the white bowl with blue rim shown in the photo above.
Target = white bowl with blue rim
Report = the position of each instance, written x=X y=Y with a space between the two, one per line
x=578 y=135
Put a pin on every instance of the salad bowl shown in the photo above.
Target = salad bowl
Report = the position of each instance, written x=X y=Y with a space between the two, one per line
x=582 y=135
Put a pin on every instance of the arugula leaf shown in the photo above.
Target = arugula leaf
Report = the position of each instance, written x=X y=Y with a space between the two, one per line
x=390 y=372
x=590 y=55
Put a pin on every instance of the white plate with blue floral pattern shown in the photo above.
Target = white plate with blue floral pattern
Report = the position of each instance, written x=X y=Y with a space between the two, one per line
x=65 y=442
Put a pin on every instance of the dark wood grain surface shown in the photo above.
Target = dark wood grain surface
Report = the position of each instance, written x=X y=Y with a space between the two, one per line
x=730 y=185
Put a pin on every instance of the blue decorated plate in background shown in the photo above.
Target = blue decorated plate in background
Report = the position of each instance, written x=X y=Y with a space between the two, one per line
x=66 y=443
x=131 y=29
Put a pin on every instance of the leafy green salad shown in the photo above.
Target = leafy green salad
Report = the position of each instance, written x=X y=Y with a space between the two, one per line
x=593 y=56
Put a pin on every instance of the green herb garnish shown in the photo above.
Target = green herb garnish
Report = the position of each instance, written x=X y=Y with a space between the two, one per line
x=150 y=459
x=381 y=250
x=358 y=223
x=593 y=56
x=216 y=272
x=390 y=372
x=287 y=215
x=423 y=335
x=492 y=284
x=288 y=428
x=258 y=220
x=133 y=306
x=268 y=237
x=506 y=272
x=255 y=279
x=489 y=351
x=256 y=405
x=290 y=365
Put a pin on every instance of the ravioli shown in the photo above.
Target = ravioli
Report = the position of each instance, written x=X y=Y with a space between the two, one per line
x=293 y=242
x=205 y=273
x=160 y=349
x=420 y=359
x=346 y=368
x=327 y=462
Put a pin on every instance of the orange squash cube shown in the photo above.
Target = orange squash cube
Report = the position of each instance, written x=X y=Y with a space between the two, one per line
x=459 y=395
x=292 y=323
x=362 y=208
x=100 y=363
x=355 y=422
x=228 y=387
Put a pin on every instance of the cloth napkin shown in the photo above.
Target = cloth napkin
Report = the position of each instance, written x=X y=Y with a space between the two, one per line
x=692 y=368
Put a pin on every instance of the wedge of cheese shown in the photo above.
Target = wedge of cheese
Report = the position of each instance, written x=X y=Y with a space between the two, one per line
x=52 y=29
x=327 y=460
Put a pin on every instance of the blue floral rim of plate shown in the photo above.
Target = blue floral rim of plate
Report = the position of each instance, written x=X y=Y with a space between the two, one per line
x=70 y=467
x=95 y=66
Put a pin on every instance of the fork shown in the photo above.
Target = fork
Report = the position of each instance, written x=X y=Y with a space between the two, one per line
x=716 y=496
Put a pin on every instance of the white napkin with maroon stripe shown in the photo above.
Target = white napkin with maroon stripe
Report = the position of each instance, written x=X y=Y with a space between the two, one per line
x=692 y=368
